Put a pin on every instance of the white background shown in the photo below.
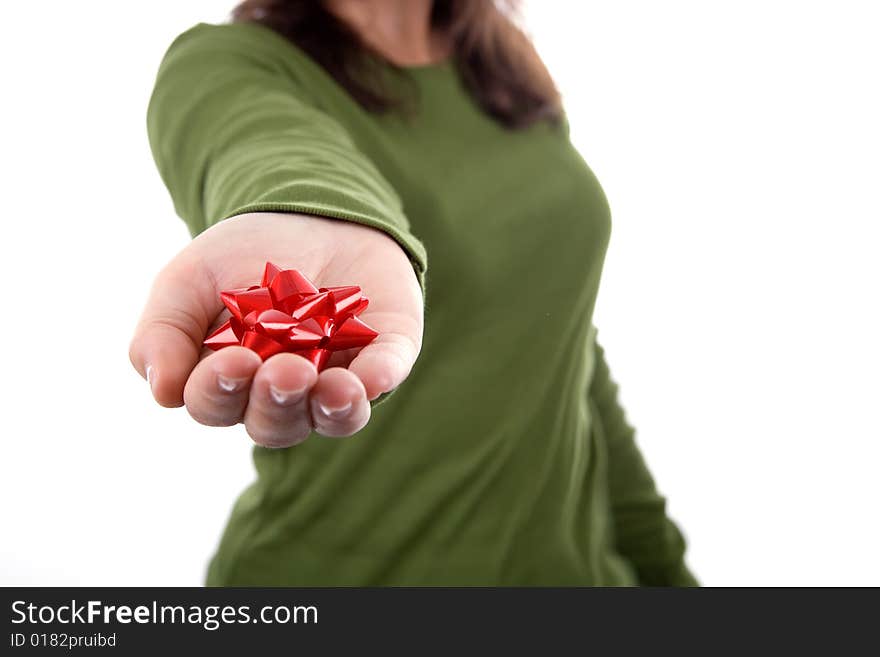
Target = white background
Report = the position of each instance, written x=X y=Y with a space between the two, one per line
x=738 y=144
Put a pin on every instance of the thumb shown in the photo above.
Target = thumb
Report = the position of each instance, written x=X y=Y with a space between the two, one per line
x=168 y=339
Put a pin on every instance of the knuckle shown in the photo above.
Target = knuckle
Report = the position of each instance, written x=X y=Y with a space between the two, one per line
x=276 y=437
x=338 y=429
x=211 y=413
x=184 y=320
x=259 y=435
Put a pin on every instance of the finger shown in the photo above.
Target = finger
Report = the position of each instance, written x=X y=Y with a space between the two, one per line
x=338 y=403
x=277 y=413
x=216 y=393
x=384 y=363
x=169 y=335
x=342 y=358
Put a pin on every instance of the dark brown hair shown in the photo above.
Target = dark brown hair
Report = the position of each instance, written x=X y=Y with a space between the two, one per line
x=496 y=60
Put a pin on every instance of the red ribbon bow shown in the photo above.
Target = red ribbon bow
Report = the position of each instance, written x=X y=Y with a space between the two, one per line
x=286 y=312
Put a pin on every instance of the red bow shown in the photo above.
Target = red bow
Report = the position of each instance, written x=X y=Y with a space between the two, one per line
x=286 y=312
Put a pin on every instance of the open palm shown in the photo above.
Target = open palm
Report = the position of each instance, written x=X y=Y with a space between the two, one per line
x=282 y=399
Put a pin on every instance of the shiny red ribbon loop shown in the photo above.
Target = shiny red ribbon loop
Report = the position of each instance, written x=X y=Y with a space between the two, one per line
x=287 y=313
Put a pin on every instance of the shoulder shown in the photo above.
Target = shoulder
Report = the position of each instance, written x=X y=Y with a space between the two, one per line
x=233 y=36
x=234 y=45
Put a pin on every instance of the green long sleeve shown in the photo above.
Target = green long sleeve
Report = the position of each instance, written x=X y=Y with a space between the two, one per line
x=491 y=465
x=233 y=129
x=643 y=533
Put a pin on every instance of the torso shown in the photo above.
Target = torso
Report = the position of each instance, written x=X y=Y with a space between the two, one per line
x=482 y=468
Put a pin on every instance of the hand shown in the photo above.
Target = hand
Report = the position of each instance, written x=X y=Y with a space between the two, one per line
x=282 y=399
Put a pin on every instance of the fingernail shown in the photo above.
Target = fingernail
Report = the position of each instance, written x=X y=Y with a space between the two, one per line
x=285 y=397
x=228 y=384
x=335 y=413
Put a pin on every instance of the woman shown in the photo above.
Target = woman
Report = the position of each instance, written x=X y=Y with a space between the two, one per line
x=355 y=140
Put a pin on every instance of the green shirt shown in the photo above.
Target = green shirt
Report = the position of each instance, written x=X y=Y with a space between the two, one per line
x=505 y=457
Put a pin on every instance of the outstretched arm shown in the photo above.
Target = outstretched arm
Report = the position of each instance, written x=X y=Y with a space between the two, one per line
x=260 y=173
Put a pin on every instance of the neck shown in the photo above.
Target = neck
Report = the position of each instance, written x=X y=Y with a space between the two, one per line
x=399 y=30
